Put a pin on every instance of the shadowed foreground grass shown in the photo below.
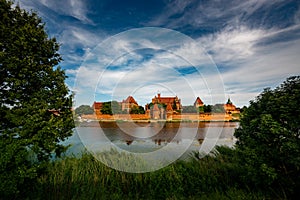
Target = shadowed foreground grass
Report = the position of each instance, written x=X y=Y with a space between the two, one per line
x=87 y=178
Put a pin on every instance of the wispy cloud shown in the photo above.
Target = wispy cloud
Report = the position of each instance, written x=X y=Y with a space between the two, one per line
x=157 y=69
x=73 y=8
x=215 y=14
x=250 y=67
x=77 y=42
x=232 y=44
x=254 y=44
x=253 y=62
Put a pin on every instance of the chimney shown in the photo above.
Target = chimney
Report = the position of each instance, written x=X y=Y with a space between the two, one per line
x=158 y=95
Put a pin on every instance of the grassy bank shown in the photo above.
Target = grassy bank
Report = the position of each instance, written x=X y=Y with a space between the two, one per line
x=86 y=178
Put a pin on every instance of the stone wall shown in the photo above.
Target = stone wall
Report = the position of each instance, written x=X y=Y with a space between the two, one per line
x=203 y=117
x=178 y=117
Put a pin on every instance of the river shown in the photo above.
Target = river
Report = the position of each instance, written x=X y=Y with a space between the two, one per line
x=149 y=137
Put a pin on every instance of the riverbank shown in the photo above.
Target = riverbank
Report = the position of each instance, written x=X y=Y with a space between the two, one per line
x=86 y=178
x=186 y=117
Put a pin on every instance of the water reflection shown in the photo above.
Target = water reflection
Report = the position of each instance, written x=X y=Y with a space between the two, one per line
x=148 y=137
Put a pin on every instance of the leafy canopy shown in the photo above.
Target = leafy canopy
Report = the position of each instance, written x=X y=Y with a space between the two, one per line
x=35 y=104
x=269 y=136
x=189 y=109
x=84 y=110
x=110 y=108
x=137 y=110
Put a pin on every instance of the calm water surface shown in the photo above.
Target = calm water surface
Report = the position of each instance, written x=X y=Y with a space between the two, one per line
x=149 y=137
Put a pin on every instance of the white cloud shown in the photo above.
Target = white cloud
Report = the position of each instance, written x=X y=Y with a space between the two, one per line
x=253 y=57
x=252 y=62
x=212 y=13
x=143 y=78
x=75 y=37
x=232 y=43
x=74 y=8
x=76 y=40
x=144 y=81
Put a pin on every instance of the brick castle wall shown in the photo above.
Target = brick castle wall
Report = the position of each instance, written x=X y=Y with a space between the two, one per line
x=185 y=116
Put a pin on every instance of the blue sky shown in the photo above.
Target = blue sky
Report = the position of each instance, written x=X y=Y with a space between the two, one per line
x=213 y=49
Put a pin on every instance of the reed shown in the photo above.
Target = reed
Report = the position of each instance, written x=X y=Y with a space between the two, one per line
x=87 y=178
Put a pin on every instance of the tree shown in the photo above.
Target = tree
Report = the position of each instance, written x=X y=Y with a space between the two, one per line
x=150 y=106
x=137 y=110
x=141 y=110
x=116 y=107
x=189 y=109
x=207 y=108
x=218 y=108
x=269 y=138
x=174 y=105
x=201 y=109
x=111 y=107
x=84 y=110
x=35 y=104
x=243 y=109
x=106 y=108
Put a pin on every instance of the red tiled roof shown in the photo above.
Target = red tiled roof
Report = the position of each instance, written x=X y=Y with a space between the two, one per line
x=165 y=100
x=130 y=99
x=198 y=101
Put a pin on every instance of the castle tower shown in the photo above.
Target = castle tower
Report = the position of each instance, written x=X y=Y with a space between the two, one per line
x=169 y=111
x=198 y=103
x=155 y=112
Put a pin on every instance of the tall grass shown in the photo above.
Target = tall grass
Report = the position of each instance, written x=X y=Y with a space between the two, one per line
x=87 y=178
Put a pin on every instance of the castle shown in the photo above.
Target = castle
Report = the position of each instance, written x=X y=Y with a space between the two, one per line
x=128 y=104
x=230 y=108
x=162 y=108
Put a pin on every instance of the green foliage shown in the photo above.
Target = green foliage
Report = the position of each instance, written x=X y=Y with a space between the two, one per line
x=269 y=138
x=86 y=178
x=243 y=109
x=111 y=107
x=84 y=110
x=160 y=105
x=106 y=108
x=141 y=110
x=201 y=109
x=150 y=105
x=218 y=108
x=174 y=106
x=207 y=108
x=237 y=115
x=189 y=109
x=35 y=104
x=137 y=110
